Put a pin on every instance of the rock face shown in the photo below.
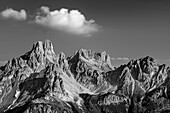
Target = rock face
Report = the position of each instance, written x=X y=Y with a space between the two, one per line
x=41 y=81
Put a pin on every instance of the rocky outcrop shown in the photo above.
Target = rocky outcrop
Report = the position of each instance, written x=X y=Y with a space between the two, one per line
x=142 y=81
x=45 y=82
x=88 y=68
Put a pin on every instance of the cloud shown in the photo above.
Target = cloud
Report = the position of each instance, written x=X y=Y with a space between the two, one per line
x=71 y=21
x=17 y=15
x=120 y=58
x=119 y=61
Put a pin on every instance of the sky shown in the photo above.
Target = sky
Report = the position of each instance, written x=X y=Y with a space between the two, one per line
x=125 y=29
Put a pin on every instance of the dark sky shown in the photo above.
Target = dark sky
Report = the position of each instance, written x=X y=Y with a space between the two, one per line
x=131 y=29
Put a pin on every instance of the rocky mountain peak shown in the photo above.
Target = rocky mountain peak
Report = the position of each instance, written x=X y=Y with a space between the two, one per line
x=146 y=65
x=38 y=47
x=101 y=60
x=97 y=56
x=41 y=54
x=45 y=48
x=42 y=81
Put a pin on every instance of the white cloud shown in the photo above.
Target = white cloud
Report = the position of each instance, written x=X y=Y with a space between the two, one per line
x=69 y=21
x=124 y=58
x=120 y=58
x=17 y=15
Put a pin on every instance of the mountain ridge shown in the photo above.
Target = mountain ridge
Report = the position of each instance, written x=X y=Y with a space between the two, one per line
x=87 y=82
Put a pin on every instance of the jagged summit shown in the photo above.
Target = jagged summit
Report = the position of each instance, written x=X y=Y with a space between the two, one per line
x=43 y=47
x=101 y=60
x=146 y=64
x=42 y=81
x=89 y=54
x=41 y=54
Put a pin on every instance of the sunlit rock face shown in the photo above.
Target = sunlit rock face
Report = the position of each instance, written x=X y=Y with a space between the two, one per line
x=88 y=69
x=41 y=81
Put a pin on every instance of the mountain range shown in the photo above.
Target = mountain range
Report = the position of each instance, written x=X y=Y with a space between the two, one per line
x=41 y=81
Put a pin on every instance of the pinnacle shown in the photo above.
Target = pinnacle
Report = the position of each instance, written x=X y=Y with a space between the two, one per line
x=41 y=46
